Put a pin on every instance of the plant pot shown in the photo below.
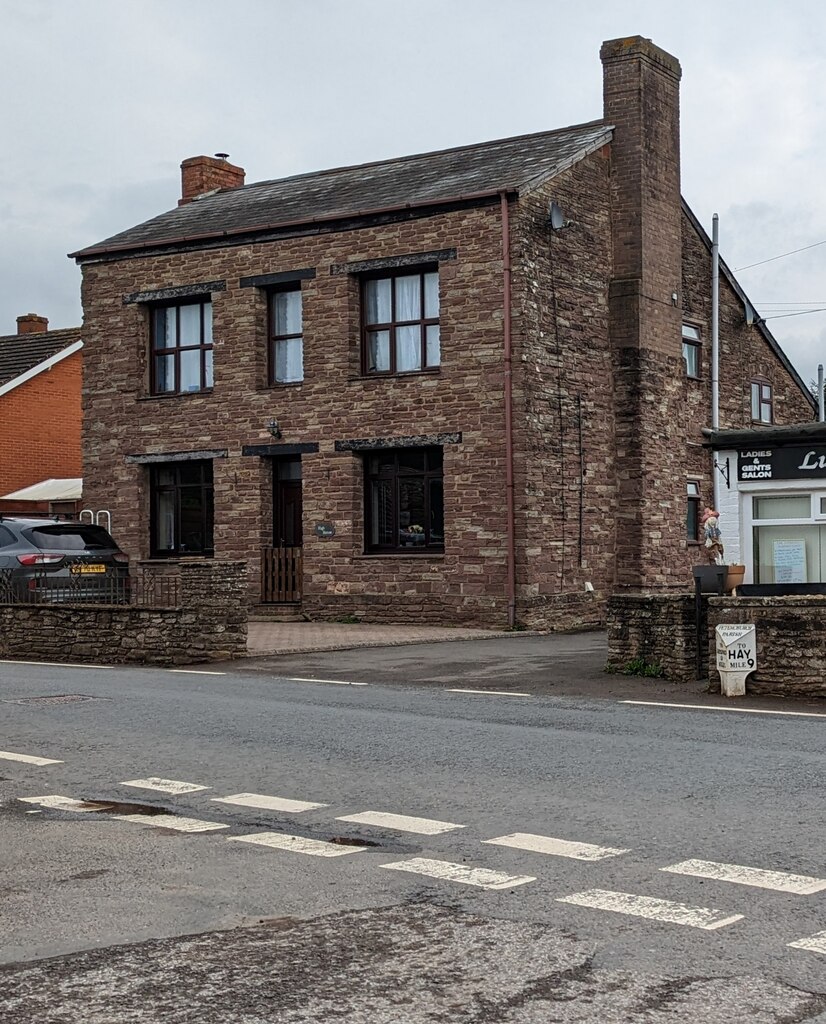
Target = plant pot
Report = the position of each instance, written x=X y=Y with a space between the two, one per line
x=734 y=577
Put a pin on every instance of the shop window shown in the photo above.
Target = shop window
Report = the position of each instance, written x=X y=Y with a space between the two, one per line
x=181 y=508
x=793 y=506
x=400 y=322
x=404 y=500
x=181 y=348
x=692 y=518
x=692 y=351
x=762 y=406
x=286 y=332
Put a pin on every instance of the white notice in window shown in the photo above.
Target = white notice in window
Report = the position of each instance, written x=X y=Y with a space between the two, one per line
x=789 y=557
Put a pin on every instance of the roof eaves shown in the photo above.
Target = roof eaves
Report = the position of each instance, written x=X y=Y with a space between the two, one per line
x=40 y=367
x=770 y=339
x=172 y=240
x=539 y=179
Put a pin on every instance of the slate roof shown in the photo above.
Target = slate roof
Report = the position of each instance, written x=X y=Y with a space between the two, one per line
x=513 y=165
x=22 y=352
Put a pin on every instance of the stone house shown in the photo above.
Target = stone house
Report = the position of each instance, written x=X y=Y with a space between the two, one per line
x=40 y=414
x=462 y=386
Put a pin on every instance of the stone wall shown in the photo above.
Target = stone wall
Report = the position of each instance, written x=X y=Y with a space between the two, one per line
x=791 y=642
x=209 y=625
x=659 y=629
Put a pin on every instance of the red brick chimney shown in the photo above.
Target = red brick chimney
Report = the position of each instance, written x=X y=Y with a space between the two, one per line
x=31 y=323
x=641 y=96
x=201 y=174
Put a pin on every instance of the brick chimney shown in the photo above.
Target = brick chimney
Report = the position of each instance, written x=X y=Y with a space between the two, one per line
x=201 y=174
x=641 y=99
x=31 y=323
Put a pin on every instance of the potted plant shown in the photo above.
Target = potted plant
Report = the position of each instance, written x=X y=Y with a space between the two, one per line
x=715 y=551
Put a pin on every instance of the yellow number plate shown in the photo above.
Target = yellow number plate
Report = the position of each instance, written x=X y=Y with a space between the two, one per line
x=88 y=568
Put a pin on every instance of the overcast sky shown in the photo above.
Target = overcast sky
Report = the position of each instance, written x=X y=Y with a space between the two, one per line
x=102 y=99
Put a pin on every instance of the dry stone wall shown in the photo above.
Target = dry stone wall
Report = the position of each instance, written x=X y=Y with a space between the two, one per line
x=209 y=625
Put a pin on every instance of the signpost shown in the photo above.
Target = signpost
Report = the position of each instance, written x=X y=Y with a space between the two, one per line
x=736 y=657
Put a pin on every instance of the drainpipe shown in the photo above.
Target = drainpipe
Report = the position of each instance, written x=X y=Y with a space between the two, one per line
x=821 y=409
x=715 y=345
x=506 y=319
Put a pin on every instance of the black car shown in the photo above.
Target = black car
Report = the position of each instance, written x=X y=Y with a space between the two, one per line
x=50 y=561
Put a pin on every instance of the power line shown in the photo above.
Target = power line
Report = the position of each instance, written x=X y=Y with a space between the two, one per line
x=802 y=312
x=782 y=255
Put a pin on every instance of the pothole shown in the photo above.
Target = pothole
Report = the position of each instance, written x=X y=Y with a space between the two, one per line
x=117 y=807
x=351 y=841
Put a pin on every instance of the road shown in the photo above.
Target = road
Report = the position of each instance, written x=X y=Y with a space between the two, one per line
x=651 y=863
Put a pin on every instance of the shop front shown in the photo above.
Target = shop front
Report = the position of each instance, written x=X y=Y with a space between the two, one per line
x=772 y=503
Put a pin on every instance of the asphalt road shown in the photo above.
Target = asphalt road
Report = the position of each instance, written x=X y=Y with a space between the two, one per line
x=110 y=913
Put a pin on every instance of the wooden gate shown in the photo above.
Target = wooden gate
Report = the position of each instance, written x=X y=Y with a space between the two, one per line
x=281 y=574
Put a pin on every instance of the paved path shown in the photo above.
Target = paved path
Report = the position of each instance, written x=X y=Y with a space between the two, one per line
x=296 y=637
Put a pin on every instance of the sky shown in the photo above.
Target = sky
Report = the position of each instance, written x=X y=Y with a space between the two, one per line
x=104 y=98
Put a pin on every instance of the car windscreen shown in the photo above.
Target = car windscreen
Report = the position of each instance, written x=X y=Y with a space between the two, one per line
x=70 y=537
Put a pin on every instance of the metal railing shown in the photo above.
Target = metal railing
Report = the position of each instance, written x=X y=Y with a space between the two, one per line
x=142 y=587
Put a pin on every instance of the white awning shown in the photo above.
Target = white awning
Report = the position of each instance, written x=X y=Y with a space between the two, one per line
x=49 y=490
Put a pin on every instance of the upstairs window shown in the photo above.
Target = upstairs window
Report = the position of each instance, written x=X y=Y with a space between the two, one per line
x=404 y=497
x=762 y=406
x=401 y=322
x=692 y=351
x=286 y=357
x=181 y=360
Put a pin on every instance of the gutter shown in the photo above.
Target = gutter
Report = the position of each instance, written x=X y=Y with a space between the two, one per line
x=47 y=364
x=509 y=490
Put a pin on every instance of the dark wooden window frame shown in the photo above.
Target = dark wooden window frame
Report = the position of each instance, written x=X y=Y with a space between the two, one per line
x=694 y=501
x=697 y=345
x=423 y=322
x=155 y=350
x=396 y=474
x=206 y=491
x=764 y=389
x=273 y=338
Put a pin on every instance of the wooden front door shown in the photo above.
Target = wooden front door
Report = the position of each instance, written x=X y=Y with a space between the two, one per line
x=281 y=565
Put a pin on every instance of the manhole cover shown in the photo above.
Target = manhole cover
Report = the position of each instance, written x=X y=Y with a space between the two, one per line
x=58 y=698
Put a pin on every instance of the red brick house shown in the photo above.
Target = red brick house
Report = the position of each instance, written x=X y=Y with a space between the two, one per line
x=40 y=417
x=463 y=386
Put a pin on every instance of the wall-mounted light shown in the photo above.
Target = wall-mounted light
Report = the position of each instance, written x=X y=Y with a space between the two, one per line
x=274 y=429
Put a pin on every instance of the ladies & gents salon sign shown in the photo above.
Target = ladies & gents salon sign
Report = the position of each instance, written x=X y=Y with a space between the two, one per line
x=795 y=462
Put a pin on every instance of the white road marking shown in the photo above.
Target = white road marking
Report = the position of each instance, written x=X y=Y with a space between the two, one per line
x=336 y=682
x=781 y=881
x=297 y=844
x=52 y=664
x=716 y=707
x=555 y=847
x=34 y=812
x=269 y=803
x=196 y=672
x=815 y=943
x=401 y=822
x=165 y=785
x=8 y=755
x=445 y=871
x=490 y=693
x=171 y=821
x=64 y=803
x=647 y=906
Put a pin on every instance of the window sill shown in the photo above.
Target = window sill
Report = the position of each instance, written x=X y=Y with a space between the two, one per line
x=762 y=423
x=696 y=380
x=395 y=376
x=433 y=555
x=175 y=394
x=277 y=385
